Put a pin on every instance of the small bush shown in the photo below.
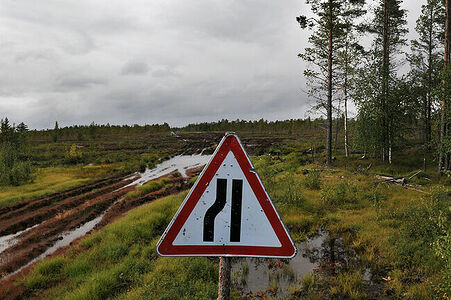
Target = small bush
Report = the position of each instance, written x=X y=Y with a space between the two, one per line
x=288 y=191
x=12 y=170
x=343 y=193
x=150 y=187
x=421 y=225
x=313 y=180
x=74 y=155
x=142 y=166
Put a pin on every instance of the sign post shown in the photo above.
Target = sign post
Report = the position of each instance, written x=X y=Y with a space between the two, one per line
x=227 y=213
x=225 y=266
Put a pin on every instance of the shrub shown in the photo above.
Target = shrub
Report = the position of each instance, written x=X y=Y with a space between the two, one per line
x=74 y=155
x=343 y=193
x=142 y=166
x=287 y=190
x=12 y=170
x=150 y=187
x=313 y=180
x=421 y=224
x=292 y=193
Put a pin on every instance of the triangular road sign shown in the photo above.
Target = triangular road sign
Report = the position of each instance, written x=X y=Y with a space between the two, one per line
x=227 y=212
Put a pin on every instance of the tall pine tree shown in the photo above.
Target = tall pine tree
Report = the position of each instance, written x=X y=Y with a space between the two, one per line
x=389 y=28
x=326 y=41
x=426 y=59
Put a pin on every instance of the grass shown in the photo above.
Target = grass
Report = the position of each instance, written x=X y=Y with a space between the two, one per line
x=148 y=187
x=120 y=261
x=394 y=231
x=390 y=227
x=50 y=180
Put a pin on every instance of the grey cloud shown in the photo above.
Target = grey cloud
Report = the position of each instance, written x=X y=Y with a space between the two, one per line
x=77 y=82
x=185 y=61
x=45 y=54
x=135 y=68
x=164 y=72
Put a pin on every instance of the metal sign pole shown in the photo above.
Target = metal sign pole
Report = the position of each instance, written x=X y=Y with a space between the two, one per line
x=224 y=278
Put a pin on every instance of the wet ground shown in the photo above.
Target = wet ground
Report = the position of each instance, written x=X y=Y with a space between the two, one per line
x=34 y=229
x=322 y=254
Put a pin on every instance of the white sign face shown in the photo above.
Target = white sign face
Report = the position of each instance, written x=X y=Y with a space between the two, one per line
x=254 y=225
x=227 y=212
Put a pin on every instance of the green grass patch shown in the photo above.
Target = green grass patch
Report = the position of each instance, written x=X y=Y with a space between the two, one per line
x=50 y=180
x=121 y=261
x=394 y=231
x=148 y=187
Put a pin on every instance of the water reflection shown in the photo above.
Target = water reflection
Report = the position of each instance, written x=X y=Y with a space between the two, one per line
x=280 y=278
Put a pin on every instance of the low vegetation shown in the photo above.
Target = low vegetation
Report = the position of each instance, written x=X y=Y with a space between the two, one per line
x=121 y=261
x=148 y=187
x=400 y=235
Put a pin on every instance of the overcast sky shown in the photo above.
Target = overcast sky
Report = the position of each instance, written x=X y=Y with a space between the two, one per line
x=152 y=61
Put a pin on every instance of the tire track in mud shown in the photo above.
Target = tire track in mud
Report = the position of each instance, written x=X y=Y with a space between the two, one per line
x=22 y=207
x=32 y=216
x=71 y=213
x=54 y=220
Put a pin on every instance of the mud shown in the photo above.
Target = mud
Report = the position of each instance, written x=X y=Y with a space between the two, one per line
x=46 y=224
x=25 y=214
x=67 y=215
x=35 y=228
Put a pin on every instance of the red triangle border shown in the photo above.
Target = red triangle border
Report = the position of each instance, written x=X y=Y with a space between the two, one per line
x=229 y=143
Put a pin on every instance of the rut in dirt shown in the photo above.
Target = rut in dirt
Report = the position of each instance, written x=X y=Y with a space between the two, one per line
x=46 y=223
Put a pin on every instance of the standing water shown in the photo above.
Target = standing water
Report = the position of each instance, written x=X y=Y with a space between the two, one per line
x=278 y=277
x=180 y=163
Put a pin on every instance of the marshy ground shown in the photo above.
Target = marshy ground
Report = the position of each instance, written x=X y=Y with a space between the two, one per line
x=358 y=236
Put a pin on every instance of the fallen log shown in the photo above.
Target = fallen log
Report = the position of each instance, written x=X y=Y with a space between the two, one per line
x=395 y=180
x=399 y=181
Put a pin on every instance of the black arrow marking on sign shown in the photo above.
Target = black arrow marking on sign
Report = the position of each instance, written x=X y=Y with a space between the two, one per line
x=235 y=220
x=215 y=209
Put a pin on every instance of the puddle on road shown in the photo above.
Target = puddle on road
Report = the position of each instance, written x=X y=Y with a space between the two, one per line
x=179 y=163
x=280 y=277
x=65 y=239
x=10 y=240
x=69 y=236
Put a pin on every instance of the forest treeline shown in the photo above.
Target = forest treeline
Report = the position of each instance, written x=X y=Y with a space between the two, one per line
x=342 y=70
x=393 y=109
x=14 y=168
x=93 y=131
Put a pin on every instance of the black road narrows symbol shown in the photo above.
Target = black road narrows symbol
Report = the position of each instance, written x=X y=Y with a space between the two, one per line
x=235 y=220
x=215 y=209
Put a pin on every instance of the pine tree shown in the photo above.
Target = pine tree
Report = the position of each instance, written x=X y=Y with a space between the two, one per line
x=426 y=59
x=326 y=42
x=445 y=113
x=6 y=131
x=56 y=132
x=389 y=27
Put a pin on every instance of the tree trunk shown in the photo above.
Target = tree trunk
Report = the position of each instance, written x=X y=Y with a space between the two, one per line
x=337 y=128
x=429 y=87
x=389 y=145
x=329 y=92
x=345 y=91
x=385 y=70
x=443 y=126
